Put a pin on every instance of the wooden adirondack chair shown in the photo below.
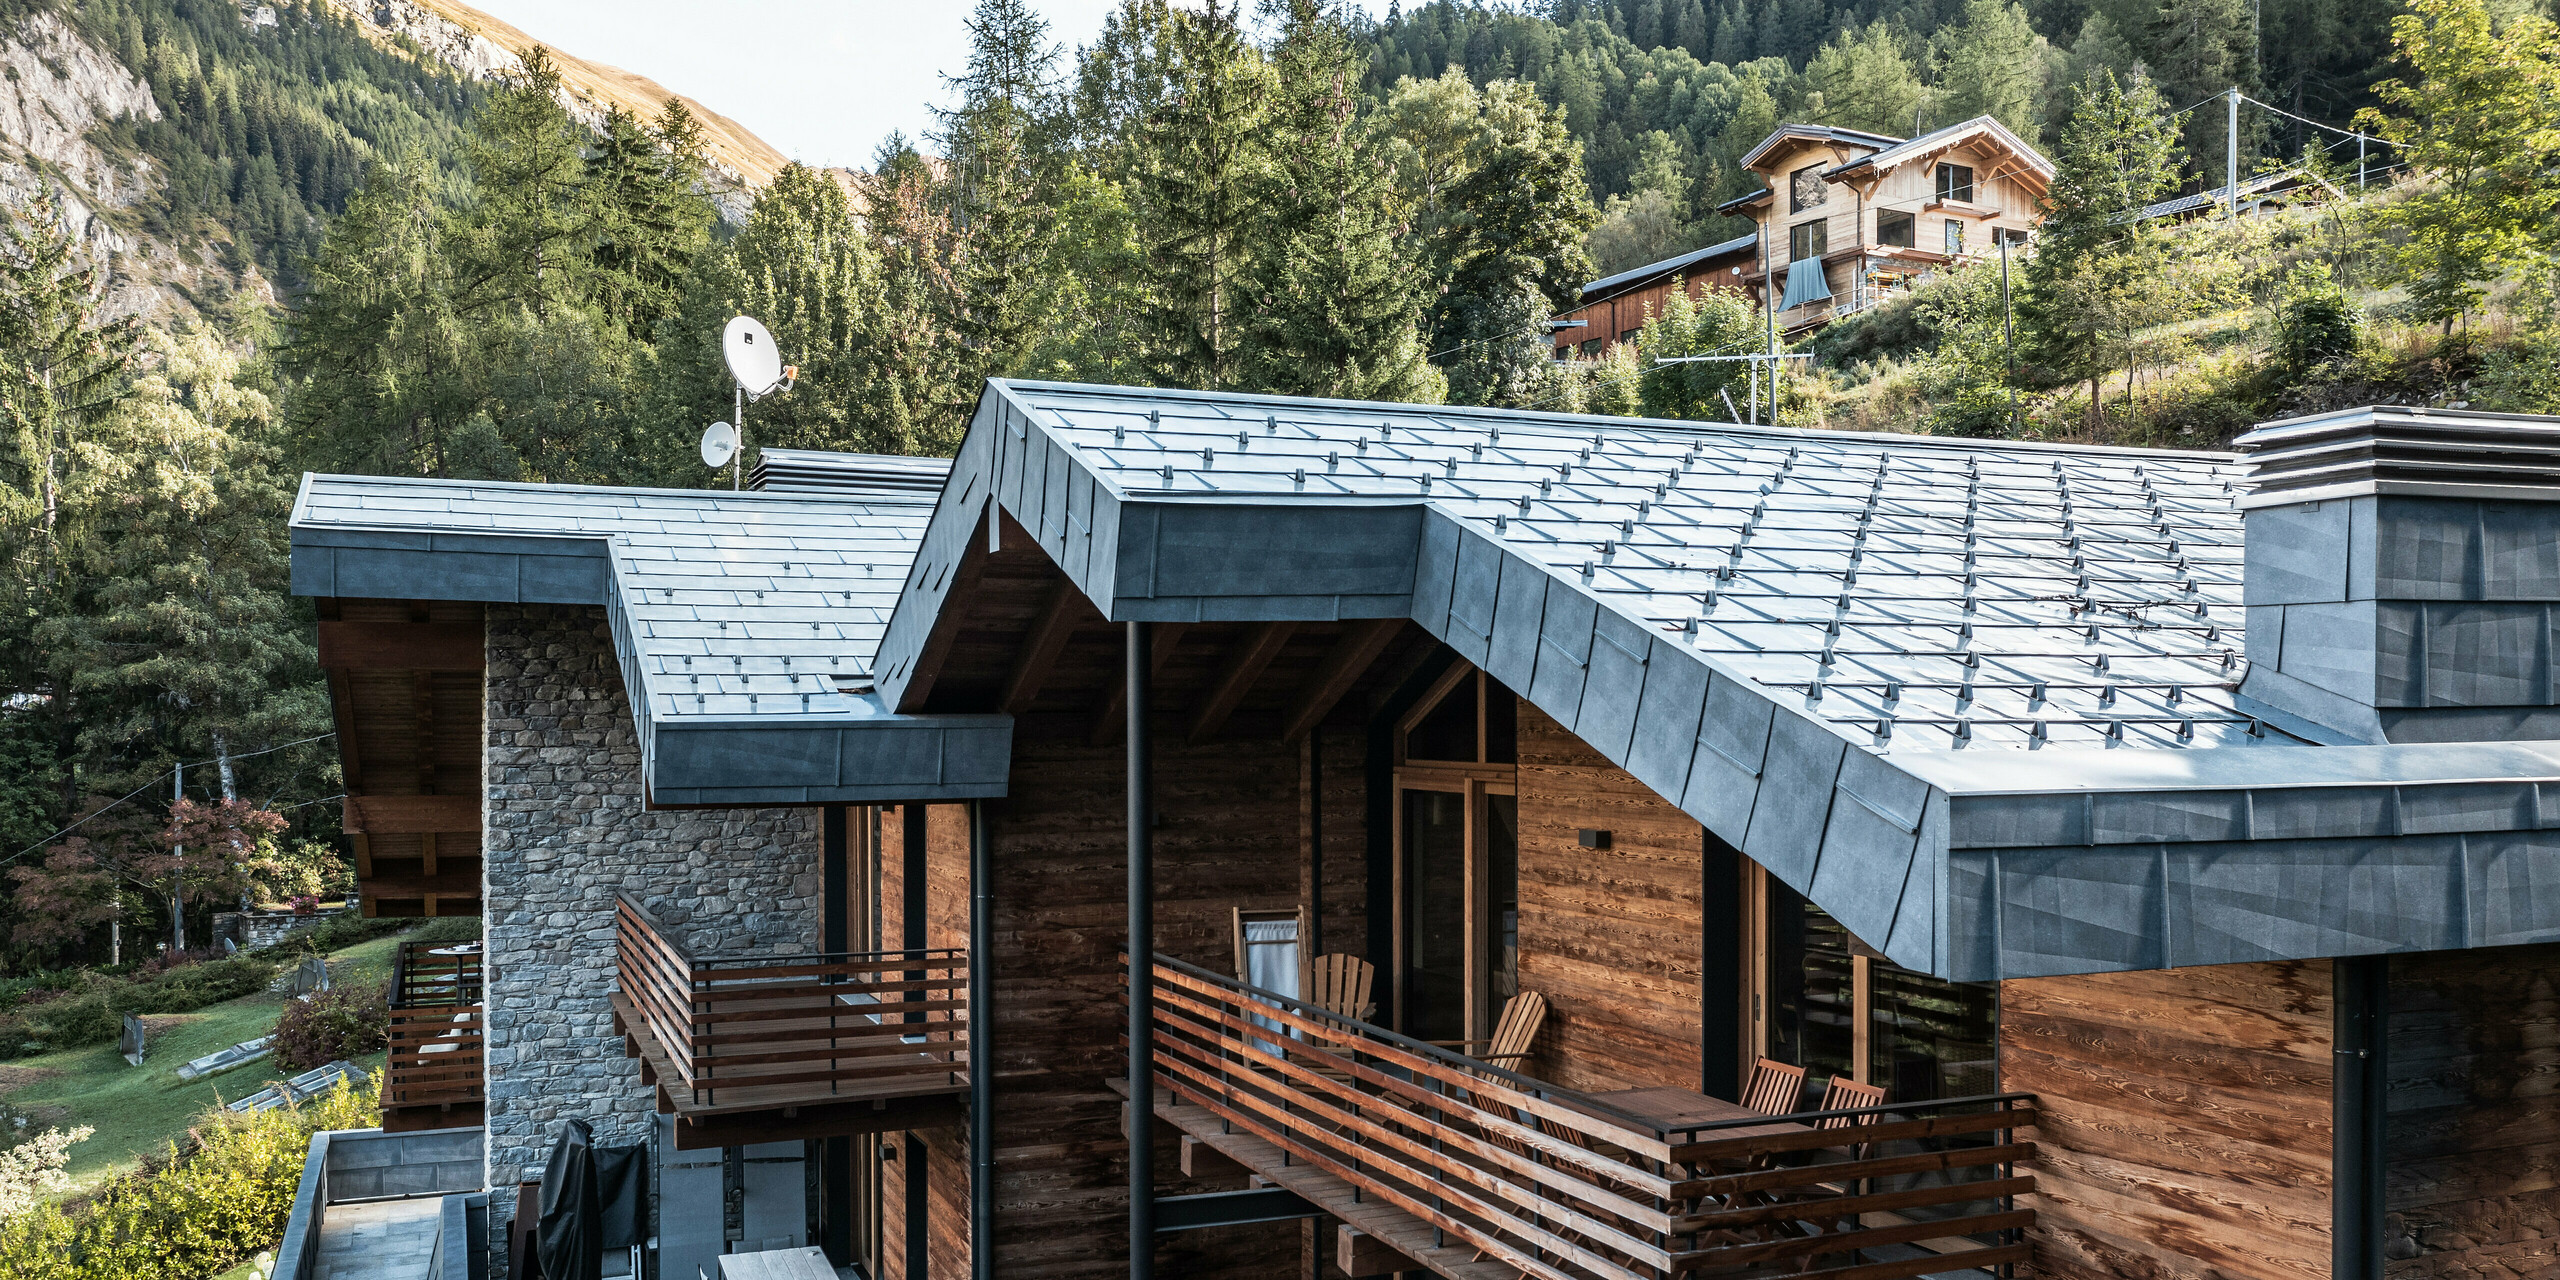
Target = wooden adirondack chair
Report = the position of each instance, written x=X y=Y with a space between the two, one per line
x=1776 y=1088
x=1523 y=1016
x=1339 y=984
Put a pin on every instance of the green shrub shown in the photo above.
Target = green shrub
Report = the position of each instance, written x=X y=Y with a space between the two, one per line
x=193 y=1211
x=93 y=1011
x=345 y=1022
x=2317 y=323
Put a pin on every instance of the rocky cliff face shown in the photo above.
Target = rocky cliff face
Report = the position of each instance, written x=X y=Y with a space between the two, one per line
x=56 y=89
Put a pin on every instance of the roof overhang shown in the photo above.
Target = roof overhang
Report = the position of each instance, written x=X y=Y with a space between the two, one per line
x=859 y=752
x=1974 y=865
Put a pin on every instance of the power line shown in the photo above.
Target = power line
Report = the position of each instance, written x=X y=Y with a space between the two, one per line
x=2343 y=133
x=155 y=781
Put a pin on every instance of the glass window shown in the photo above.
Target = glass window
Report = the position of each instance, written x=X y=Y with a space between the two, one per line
x=1955 y=182
x=1928 y=1038
x=1806 y=189
x=1808 y=240
x=1955 y=236
x=1501 y=724
x=1894 y=228
x=1435 y=844
x=1812 y=988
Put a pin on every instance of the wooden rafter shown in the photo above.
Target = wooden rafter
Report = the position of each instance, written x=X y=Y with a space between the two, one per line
x=1107 y=723
x=1041 y=647
x=946 y=622
x=1244 y=666
x=412 y=815
x=422 y=706
x=1360 y=645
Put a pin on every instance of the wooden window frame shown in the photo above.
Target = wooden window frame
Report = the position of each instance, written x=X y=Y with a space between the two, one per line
x=1817 y=231
x=1909 y=224
x=1477 y=781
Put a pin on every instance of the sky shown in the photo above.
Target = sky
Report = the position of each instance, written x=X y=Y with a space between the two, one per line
x=822 y=80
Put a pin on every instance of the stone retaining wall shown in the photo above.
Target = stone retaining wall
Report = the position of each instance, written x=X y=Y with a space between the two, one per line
x=564 y=832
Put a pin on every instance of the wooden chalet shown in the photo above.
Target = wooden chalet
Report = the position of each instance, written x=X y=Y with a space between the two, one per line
x=1612 y=309
x=1846 y=218
x=1262 y=836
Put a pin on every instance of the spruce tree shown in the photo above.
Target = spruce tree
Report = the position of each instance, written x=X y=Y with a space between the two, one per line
x=528 y=240
x=996 y=142
x=1334 y=297
x=2196 y=49
x=1987 y=65
x=1199 y=167
x=2118 y=153
x=652 y=214
x=1512 y=253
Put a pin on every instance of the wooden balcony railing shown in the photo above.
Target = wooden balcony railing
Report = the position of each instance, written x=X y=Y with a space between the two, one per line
x=724 y=1035
x=1549 y=1183
x=434 y=1074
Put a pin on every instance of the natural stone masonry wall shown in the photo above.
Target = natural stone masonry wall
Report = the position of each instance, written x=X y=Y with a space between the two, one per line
x=564 y=832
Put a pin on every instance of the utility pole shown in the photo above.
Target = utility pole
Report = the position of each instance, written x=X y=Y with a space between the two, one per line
x=2231 y=157
x=178 y=891
x=2359 y=162
x=2008 y=329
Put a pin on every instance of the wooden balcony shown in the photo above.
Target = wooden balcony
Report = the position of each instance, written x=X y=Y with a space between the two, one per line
x=767 y=1048
x=1476 y=1172
x=433 y=1079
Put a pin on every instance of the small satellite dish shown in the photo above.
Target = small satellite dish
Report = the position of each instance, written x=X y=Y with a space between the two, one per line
x=753 y=358
x=719 y=444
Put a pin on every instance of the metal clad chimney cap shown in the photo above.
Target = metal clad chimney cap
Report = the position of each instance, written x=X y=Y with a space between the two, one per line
x=2401 y=450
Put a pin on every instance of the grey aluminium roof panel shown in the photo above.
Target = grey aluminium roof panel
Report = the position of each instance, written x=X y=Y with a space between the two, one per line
x=745 y=623
x=1849 y=642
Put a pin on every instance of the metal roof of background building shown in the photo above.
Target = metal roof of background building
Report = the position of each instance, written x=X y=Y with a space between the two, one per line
x=1669 y=265
x=727 y=607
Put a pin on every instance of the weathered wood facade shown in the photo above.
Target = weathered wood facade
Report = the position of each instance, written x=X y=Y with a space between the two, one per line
x=2472 y=1184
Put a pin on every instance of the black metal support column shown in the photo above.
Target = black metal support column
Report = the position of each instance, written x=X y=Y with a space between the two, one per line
x=835 y=1155
x=1721 y=987
x=1142 y=949
x=2361 y=1112
x=911 y=884
x=919 y=1211
x=982 y=1066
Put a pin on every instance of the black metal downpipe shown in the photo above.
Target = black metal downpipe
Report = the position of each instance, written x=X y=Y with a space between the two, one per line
x=2360 y=1111
x=982 y=1067
x=1142 y=950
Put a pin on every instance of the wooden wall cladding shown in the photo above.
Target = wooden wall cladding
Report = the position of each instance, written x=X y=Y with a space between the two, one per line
x=1612 y=937
x=1229 y=834
x=406 y=686
x=2184 y=1120
x=2473 y=1057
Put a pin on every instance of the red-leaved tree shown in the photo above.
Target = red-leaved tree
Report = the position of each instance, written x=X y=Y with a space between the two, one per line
x=192 y=850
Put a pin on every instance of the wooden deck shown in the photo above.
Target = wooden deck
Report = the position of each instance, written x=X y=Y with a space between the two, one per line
x=435 y=1043
x=762 y=1049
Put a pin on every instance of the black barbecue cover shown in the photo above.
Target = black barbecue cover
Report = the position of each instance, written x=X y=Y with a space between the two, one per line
x=569 y=1238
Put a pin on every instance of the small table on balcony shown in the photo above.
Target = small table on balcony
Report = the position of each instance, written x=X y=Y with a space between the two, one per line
x=1673 y=1108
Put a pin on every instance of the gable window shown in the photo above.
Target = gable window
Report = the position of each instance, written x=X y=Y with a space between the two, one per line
x=1807 y=240
x=1955 y=236
x=1806 y=189
x=1955 y=182
x=1894 y=228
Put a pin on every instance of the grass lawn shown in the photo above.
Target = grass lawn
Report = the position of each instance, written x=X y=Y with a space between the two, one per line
x=138 y=1110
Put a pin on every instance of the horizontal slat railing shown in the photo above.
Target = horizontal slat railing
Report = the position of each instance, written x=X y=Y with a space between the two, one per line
x=1563 y=1187
x=435 y=1038
x=833 y=1025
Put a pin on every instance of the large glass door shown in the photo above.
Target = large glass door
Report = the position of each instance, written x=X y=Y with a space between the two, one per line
x=1828 y=1002
x=1435 y=960
x=1457 y=825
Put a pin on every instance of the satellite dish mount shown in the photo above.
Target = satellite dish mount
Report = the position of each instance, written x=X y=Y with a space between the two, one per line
x=756 y=363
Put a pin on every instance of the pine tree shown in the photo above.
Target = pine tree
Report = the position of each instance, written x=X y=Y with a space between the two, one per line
x=1334 y=298
x=2483 y=121
x=1987 y=66
x=996 y=142
x=1512 y=253
x=528 y=241
x=1199 y=166
x=653 y=216
x=2118 y=153
x=2198 y=48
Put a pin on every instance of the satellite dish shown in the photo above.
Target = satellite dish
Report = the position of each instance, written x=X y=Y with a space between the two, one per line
x=753 y=358
x=719 y=444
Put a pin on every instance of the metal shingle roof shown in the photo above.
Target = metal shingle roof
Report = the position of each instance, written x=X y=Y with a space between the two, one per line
x=737 y=604
x=1930 y=593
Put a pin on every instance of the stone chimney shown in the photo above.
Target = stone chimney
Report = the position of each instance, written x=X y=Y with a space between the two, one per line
x=2401 y=571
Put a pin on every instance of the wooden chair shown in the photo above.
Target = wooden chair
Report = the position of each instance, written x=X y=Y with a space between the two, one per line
x=1845 y=1094
x=1842 y=1094
x=1776 y=1088
x=1339 y=984
x=1523 y=1016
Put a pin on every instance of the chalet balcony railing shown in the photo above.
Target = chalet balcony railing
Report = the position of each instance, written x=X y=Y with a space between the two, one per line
x=1562 y=1186
x=435 y=1045
x=791 y=1030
